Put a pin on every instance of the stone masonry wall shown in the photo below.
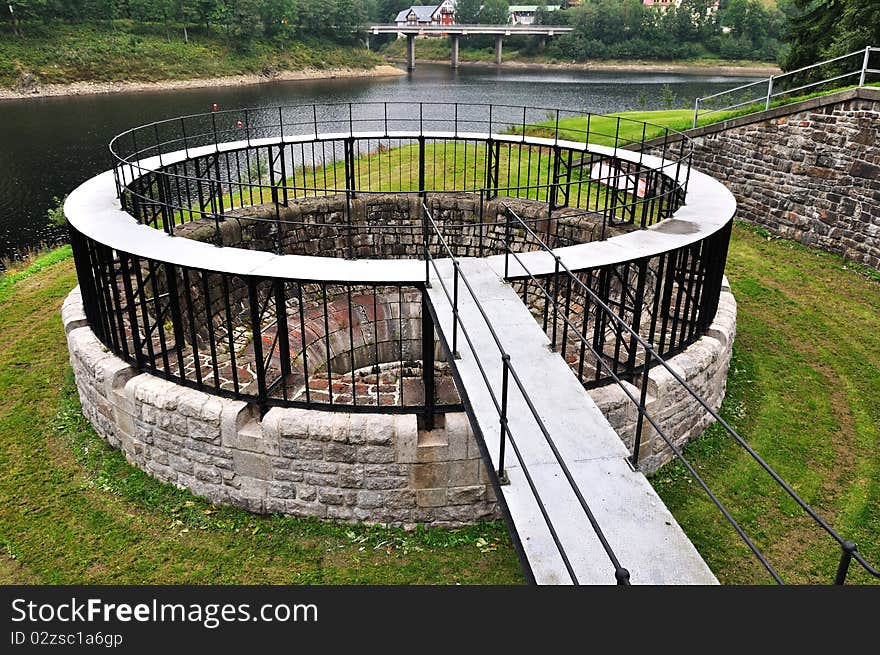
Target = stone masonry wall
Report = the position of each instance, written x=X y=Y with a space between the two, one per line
x=377 y=468
x=812 y=175
x=390 y=226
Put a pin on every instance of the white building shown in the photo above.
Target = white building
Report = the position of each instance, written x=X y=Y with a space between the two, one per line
x=525 y=14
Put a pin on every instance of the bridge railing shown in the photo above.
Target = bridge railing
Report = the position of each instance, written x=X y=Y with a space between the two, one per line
x=852 y=68
x=559 y=295
x=508 y=373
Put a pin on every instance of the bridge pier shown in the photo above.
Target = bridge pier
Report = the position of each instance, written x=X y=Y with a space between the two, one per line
x=410 y=52
x=455 y=31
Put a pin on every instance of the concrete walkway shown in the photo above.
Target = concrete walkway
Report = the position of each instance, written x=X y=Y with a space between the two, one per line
x=640 y=529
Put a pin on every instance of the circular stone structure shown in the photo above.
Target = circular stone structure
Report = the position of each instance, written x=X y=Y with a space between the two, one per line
x=252 y=321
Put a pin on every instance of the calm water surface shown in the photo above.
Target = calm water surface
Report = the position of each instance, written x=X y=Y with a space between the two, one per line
x=48 y=146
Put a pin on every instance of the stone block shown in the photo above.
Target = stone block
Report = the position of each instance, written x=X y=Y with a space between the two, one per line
x=429 y=476
x=337 y=452
x=281 y=490
x=431 y=497
x=458 y=435
x=375 y=454
x=406 y=437
x=464 y=473
x=253 y=465
x=466 y=495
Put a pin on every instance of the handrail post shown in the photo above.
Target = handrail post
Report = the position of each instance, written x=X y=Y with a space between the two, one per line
x=696 y=110
x=769 y=93
x=482 y=221
x=865 y=62
x=616 y=136
x=848 y=548
x=455 y=275
x=428 y=362
x=425 y=242
x=637 y=440
x=505 y=365
x=507 y=212
x=556 y=129
x=555 y=303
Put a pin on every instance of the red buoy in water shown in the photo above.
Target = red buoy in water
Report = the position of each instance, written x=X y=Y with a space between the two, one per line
x=215 y=107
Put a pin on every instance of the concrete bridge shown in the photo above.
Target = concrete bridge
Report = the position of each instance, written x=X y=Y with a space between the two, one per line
x=454 y=32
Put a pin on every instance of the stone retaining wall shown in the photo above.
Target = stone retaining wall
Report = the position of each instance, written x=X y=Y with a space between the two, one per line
x=389 y=226
x=808 y=172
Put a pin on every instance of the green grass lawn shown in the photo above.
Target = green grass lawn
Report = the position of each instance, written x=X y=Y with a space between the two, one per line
x=636 y=126
x=802 y=390
x=122 y=51
x=73 y=510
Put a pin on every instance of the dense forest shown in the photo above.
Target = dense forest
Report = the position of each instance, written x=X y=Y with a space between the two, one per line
x=821 y=29
x=627 y=29
x=244 y=20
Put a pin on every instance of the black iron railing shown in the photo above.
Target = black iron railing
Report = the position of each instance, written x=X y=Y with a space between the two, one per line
x=627 y=336
x=246 y=178
x=508 y=373
x=206 y=166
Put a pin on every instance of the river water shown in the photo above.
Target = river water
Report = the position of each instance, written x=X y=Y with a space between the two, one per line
x=48 y=146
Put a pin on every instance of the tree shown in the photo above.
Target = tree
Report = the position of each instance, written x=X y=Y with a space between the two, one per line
x=206 y=11
x=244 y=18
x=274 y=13
x=19 y=10
x=388 y=9
x=467 y=12
x=494 y=12
x=346 y=16
x=311 y=17
x=859 y=27
x=822 y=29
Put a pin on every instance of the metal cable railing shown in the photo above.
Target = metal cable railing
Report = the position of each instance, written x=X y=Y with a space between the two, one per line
x=652 y=358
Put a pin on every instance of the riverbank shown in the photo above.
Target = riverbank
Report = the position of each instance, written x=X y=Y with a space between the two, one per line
x=98 y=87
x=56 y=58
x=751 y=69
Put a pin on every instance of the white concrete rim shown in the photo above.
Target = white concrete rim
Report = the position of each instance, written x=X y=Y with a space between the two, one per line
x=94 y=210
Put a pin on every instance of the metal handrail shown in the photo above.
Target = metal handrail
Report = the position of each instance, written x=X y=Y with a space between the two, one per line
x=848 y=548
x=159 y=191
x=772 y=81
x=509 y=370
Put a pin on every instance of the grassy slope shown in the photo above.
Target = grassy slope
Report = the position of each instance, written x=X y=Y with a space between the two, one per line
x=62 y=53
x=803 y=391
x=634 y=126
x=73 y=511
